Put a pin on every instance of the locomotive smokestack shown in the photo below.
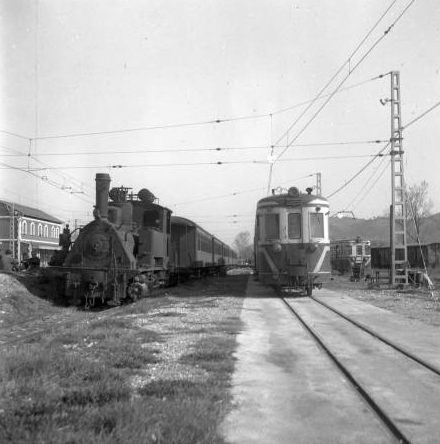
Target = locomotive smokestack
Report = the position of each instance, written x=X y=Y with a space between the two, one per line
x=102 y=189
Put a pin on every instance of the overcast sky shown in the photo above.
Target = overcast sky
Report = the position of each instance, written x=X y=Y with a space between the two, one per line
x=118 y=68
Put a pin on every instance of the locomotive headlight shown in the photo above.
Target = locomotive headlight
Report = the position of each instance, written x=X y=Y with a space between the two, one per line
x=313 y=247
x=276 y=247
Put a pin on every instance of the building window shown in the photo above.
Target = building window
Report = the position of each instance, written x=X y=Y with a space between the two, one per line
x=32 y=233
x=40 y=230
x=57 y=232
x=24 y=227
x=52 y=231
x=46 y=231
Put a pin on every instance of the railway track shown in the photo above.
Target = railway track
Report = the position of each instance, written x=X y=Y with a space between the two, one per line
x=339 y=336
x=381 y=338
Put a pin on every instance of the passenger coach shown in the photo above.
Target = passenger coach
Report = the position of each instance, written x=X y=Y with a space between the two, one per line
x=196 y=251
x=292 y=246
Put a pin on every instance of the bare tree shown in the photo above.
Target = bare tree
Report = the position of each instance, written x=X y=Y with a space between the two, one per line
x=243 y=245
x=418 y=207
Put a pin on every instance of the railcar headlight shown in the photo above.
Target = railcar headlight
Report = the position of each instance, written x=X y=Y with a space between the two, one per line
x=313 y=247
x=276 y=247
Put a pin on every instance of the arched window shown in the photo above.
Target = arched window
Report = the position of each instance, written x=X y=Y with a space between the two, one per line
x=32 y=233
x=46 y=231
x=24 y=227
x=52 y=231
x=57 y=232
x=40 y=230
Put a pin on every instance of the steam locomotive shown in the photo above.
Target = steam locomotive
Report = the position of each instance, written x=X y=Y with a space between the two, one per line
x=128 y=249
x=291 y=243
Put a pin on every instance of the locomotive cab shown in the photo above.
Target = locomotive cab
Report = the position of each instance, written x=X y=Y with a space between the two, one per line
x=292 y=241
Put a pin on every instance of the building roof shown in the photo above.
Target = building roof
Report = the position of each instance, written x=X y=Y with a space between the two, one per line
x=32 y=212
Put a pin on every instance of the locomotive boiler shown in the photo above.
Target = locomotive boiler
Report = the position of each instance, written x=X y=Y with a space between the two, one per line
x=291 y=243
x=122 y=253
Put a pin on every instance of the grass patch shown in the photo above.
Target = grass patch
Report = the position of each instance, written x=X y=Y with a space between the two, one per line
x=74 y=386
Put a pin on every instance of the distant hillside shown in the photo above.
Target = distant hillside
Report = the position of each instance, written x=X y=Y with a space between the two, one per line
x=378 y=229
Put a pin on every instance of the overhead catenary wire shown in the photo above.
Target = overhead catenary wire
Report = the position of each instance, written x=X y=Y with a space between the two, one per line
x=338 y=71
x=195 y=164
x=364 y=186
x=17 y=153
x=240 y=192
x=368 y=191
x=44 y=179
x=378 y=40
x=351 y=70
x=359 y=172
x=421 y=115
x=189 y=124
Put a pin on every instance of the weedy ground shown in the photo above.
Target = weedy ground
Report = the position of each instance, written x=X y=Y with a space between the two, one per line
x=157 y=371
x=414 y=303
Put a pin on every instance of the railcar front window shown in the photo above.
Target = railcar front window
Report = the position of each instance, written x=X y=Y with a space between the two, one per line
x=367 y=249
x=294 y=225
x=359 y=250
x=316 y=225
x=272 y=225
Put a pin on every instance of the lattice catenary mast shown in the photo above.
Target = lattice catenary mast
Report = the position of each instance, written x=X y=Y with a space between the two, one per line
x=399 y=260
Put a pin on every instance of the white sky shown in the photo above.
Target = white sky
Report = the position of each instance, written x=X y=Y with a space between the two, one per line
x=72 y=66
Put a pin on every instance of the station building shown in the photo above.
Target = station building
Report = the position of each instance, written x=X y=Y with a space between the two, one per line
x=24 y=229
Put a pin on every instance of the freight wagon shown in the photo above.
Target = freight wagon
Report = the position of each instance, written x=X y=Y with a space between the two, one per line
x=419 y=256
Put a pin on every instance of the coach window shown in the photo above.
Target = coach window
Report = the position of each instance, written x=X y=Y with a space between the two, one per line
x=316 y=225
x=294 y=225
x=151 y=219
x=272 y=225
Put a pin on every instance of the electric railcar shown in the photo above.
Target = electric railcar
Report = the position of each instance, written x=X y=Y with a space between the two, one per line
x=353 y=256
x=291 y=243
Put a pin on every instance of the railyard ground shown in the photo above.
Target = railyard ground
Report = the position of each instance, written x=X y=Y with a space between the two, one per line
x=158 y=371
x=414 y=303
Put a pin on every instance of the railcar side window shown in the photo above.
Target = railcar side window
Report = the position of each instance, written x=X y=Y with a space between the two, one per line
x=294 y=225
x=261 y=227
x=359 y=250
x=316 y=225
x=272 y=225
